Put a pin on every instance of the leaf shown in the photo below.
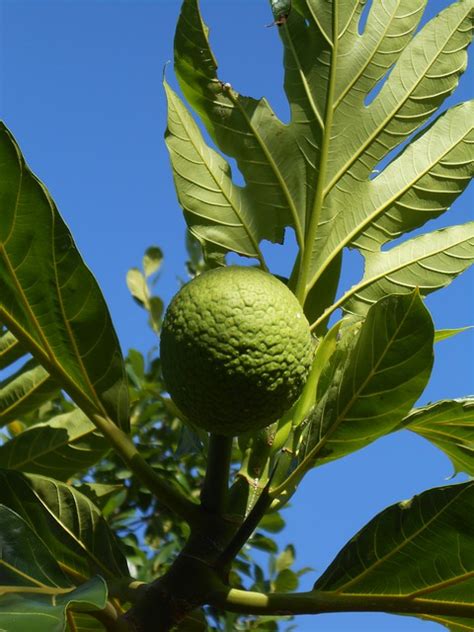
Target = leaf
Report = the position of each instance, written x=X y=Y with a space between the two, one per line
x=424 y=180
x=25 y=560
x=10 y=349
x=286 y=558
x=449 y=425
x=60 y=448
x=69 y=525
x=41 y=614
x=443 y=334
x=393 y=554
x=272 y=522
x=286 y=581
x=245 y=129
x=137 y=286
x=217 y=213
x=374 y=381
x=98 y=493
x=427 y=262
x=24 y=391
x=152 y=260
x=49 y=300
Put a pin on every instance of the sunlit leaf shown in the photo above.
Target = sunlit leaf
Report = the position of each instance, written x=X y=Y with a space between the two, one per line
x=450 y=426
x=428 y=262
x=48 y=298
x=422 y=548
x=381 y=370
x=25 y=390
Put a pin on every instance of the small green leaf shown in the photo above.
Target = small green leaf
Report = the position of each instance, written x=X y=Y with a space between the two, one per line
x=152 y=260
x=137 y=286
x=286 y=558
x=286 y=581
x=272 y=522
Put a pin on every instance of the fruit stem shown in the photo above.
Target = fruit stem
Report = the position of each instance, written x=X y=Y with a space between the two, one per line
x=216 y=481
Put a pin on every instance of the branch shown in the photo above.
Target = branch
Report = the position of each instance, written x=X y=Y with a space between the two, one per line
x=163 y=491
x=216 y=481
x=318 y=602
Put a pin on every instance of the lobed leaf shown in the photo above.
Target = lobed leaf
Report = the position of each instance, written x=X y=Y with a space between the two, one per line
x=428 y=262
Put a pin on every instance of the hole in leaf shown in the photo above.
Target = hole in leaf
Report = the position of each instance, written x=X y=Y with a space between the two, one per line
x=363 y=17
x=372 y=94
x=280 y=257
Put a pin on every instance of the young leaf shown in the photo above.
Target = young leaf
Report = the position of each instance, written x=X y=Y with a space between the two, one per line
x=60 y=448
x=450 y=426
x=375 y=382
x=48 y=298
x=422 y=549
x=69 y=525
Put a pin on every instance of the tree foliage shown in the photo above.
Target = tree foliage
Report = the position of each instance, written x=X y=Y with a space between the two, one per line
x=116 y=513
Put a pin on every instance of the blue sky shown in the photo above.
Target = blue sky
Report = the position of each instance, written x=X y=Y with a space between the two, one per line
x=80 y=88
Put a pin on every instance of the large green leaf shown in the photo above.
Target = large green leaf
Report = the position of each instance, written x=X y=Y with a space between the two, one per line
x=37 y=613
x=421 y=549
x=67 y=522
x=430 y=173
x=450 y=426
x=24 y=558
x=25 y=390
x=427 y=262
x=49 y=299
x=373 y=379
x=60 y=447
x=319 y=172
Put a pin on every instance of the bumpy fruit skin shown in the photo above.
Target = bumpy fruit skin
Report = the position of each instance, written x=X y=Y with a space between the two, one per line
x=236 y=349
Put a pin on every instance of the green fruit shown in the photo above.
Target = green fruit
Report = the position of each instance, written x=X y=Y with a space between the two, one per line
x=235 y=350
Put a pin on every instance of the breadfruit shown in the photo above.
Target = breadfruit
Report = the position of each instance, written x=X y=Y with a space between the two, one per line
x=236 y=349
